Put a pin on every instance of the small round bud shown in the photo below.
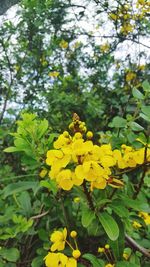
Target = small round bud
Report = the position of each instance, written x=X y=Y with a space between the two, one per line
x=73 y=234
x=76 y=253
x=65 y=134
x=81 y=126
x=71 y=125
x=76 y=199
x=84 y=129
x=89 y=135
x=78 y=135
x=107 y=246
x=101 y=250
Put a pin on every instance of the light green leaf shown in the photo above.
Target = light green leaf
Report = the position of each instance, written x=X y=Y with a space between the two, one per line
x=146 y=86
x=146 y=110
x=135 y=126
x=118 y=122
x=109 y=225
x=42 y=128
x=137 y=94
x=11 y=149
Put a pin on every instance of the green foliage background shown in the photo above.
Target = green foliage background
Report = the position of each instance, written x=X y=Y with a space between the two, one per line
x=92 y=83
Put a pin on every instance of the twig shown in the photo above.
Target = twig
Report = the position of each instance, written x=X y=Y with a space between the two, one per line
x=88 y=196
x=143 y=174
x=132 y=243
x=39 y=215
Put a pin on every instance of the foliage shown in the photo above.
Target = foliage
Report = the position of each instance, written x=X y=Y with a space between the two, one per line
x=52 y=66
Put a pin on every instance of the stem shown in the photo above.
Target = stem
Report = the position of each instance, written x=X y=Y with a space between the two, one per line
x=132 y=243
x=143 y=175
x=88 y=196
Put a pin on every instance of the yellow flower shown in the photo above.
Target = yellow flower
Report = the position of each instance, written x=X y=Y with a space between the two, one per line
x=55 y=260
x=71 y=262
x=130 y=76
x=62 y=141
x=109 y=265
x=126 y=256
x=126 y=28
x=90 y=170
x=136 y=225
x=145 y=216
x=113 y=16
x=53 y=74
x=105 y=48
x=59 y=240
x=63 y=44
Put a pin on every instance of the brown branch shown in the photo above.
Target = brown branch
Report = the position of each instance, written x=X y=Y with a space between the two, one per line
x=11 y=82
x=143 y=174
x=39 y=215
x=88 y=196
x=132 y=243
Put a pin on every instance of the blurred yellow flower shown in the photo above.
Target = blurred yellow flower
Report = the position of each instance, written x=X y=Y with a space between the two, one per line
x=63 y=44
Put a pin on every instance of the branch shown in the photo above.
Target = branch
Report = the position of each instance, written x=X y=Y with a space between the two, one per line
x=39 y=215
x=88 y=196
x=143 y=174
x=132 y=243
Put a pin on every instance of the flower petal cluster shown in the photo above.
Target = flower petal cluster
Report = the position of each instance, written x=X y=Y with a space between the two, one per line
x=76 y=158
x=58 y=238
x=59 y=260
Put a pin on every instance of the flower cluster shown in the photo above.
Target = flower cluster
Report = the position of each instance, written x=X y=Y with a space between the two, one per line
x=128 y=16
x=59 y=240
x=76 y=159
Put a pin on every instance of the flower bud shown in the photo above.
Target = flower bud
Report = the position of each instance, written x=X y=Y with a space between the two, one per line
x=76 y=253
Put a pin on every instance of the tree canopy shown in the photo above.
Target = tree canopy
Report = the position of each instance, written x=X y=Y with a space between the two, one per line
x=86 y=65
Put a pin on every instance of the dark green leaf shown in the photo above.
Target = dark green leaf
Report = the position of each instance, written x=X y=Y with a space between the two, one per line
x=93 y=260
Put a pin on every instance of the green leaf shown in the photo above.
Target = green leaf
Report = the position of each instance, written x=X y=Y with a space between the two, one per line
x=87 y=217
x=42 y=128
x=50 y=184
x=146 y=86
x=37 y=262
x=93 y=260
x=126 y=264
x=135 y=204
x=25 y=202
x=11 y=254
x=143 y=116
x=118 y=122
x=117 y=246
x=19 y=187
x=11 y=149
x=135 y=126
x=109 y=225
x=137 y=94
x=146 y=110
x=119 y=209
